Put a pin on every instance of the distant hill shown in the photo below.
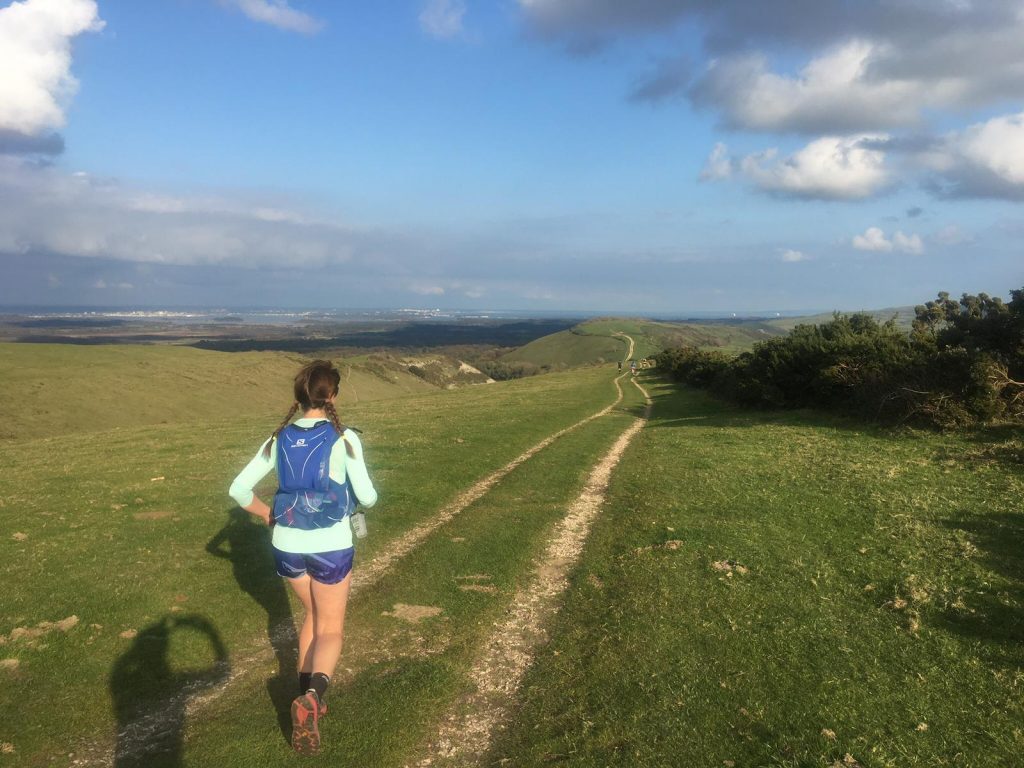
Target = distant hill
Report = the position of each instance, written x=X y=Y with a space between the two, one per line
x=594 y=341
x=61 y=389
x=904 y=317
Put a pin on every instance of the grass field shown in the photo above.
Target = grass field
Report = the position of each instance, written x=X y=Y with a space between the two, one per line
x=759 y=590
x=788 y=590
x=127 y=536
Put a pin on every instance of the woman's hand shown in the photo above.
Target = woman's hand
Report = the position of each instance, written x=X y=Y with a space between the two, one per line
x=259 y=508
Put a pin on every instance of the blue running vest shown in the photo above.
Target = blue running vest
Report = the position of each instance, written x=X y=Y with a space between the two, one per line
x=307 y=497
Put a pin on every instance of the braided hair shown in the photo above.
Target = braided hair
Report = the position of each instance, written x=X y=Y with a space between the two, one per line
x=315 y=385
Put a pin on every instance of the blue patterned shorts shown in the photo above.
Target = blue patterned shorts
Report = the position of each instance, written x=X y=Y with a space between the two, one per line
x=324 y=567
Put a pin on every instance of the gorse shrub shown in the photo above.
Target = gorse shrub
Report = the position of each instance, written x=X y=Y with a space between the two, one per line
x=962 y=363
x=503 y=371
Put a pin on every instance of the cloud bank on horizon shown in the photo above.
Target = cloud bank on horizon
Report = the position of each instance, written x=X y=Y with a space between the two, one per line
x=804 y=102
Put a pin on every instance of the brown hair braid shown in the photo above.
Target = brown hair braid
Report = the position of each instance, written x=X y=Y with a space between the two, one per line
x=285 y=423
x=333 y=416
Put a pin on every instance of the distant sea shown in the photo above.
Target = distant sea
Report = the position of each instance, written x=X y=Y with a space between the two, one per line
x=272 y=316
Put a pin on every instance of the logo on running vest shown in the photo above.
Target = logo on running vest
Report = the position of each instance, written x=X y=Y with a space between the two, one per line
x=300 y=443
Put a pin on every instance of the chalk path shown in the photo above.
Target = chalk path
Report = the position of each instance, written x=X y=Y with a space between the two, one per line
x=467 y=730
x=134 y=738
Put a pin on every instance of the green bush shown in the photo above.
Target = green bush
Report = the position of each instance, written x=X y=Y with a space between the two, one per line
x=963 y=363
x=502 y=371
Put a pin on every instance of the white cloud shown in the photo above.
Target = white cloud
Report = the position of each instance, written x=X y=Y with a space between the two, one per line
x=35 y=59
x=830 y=168
x=427 y=290
x=831 y=93
x=865 y=66
x=719 y=164
x=874 y=239
x=151 y=203
x=997 y=146
x=908 y=243
x=46 y=210
x=443 y=18
x=951 y=234
x=792 y=256
x=278 y=13
x=984 y=160
x=835 y=68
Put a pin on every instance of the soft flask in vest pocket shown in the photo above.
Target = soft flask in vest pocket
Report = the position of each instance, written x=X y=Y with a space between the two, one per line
x=307 y=497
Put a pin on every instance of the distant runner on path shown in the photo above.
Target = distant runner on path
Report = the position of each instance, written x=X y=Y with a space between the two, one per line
x=632 y=366
x=321 y=476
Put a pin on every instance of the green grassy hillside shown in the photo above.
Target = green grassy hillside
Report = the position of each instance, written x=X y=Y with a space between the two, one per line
x=593 y=341
x=58 y=389
x=904 y=317
x=569 y=348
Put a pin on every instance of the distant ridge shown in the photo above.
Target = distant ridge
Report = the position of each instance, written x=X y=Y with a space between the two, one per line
x=904 y=317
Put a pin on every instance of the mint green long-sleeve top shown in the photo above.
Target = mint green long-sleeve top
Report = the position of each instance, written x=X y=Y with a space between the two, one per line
x=343 y=466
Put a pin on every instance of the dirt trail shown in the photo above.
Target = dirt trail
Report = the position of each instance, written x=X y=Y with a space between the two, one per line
x=467 y=731
x=371 y=573
x=629 y=352
x=136 y=735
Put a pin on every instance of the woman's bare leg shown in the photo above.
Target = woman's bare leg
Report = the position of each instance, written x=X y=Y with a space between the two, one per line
x=329 y=603
x=302 y=588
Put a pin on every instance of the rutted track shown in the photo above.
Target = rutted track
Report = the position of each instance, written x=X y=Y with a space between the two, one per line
x=132 y=740
x=466 y=731
x=372 y=572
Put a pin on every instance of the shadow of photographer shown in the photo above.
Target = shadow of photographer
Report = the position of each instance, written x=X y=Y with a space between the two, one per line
x=150 y=696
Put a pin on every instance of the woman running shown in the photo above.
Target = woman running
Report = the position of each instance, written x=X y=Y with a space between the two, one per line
x=321 y=477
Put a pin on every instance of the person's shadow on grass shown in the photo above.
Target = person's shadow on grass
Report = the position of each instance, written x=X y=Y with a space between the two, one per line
x=246 y=544
x=993 y=614
x=150 y=697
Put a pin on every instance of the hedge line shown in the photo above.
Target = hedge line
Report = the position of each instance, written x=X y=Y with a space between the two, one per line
x=962 y=364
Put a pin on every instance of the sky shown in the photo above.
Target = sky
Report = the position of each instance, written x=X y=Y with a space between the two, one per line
x=649 y=157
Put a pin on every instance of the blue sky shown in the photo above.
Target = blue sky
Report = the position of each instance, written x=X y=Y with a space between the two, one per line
x=659 y=156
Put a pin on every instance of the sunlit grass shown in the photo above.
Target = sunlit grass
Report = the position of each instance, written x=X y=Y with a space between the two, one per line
x=113 y=527
x=787 y=590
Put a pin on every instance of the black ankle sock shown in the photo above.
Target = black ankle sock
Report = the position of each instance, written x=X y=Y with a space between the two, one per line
x=304 y=681
x=318 y=682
